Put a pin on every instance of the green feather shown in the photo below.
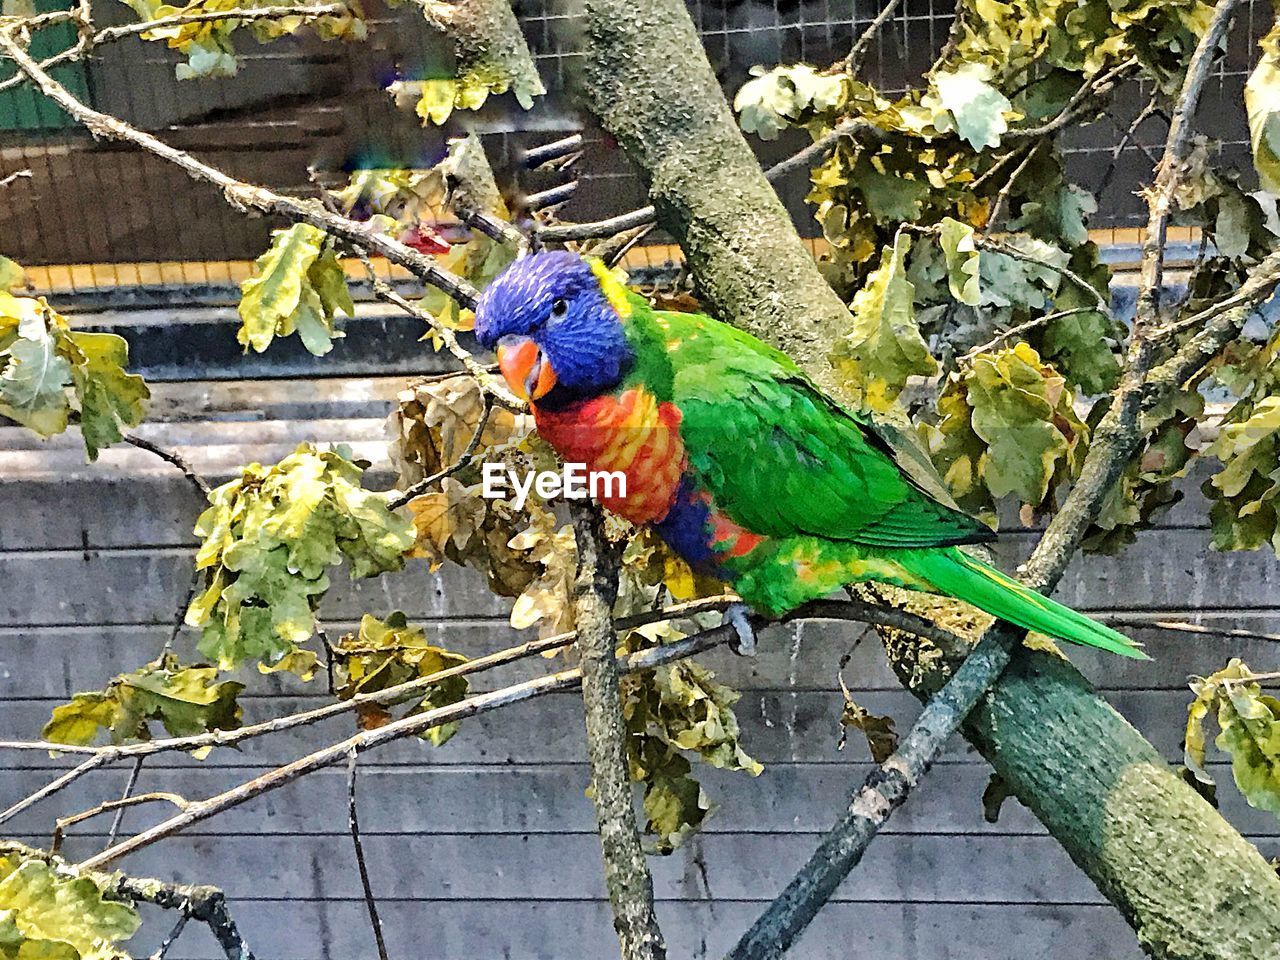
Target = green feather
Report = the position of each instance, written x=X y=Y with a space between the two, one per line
x=782 y=460
x=956 y=574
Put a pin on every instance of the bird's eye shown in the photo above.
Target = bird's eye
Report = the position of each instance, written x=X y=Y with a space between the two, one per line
x=559 y=307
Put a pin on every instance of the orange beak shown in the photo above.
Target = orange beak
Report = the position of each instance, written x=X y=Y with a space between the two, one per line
x=525 y=368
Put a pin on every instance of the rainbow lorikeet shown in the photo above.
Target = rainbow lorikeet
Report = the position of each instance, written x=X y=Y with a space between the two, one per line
x=732 y=455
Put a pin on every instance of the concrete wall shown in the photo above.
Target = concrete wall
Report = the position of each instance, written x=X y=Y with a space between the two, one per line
x=484 y=848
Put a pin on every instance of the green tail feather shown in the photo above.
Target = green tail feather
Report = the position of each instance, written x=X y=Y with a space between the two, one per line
x=956 y=574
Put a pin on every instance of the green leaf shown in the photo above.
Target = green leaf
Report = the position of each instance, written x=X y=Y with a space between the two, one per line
x=1244 y=491
x=1060 y=214
x=956 y=240
x=1022 y=411
x=296 y=287
x=12 y=276
x=885 y=347
x=1021 y=282
x=1249 y=731
x=890 y=198
x=269 y=539
x=47 y=915
x=34 y=377
x=387 y=653
x=781 y=97
x=976 y=107
x=185 y=700
x=110 y=399
x=1262 y=103
x=436 y=98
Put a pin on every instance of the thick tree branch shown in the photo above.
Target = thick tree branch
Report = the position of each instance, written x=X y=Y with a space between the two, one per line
x=626 y=871
x=646 y=77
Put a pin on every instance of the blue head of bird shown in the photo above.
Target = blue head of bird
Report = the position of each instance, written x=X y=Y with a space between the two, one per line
x=558 y=336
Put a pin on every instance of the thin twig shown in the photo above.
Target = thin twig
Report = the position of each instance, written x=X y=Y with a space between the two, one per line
x=411 y=725
x=173 y=457
x=1181 y=626
x=88 y=41
x=997 y=208
x=490 y=384
x=15 y=176
x=1021 y=328
x=552 y=197
x=569 y=232
x=1098 y=85
x=1130 y=132
x=353 y=824
x=853 y=62
x=109 y=34
x=128 y=792
x=535 y=157
x=162 y=951
x=464 y=461
x=96 y=760
x=61 y=824
x=642 y=216
x=471 y=706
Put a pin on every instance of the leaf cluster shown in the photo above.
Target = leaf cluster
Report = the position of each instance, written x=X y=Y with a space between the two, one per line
x=269 y=538
x=298 y=286
x=51 y=375
x=47 y=914
x=1007 y=427
x=386 y=653
x=184 y=700
x=208 y=44
x=1248 y=731
x=673 y=713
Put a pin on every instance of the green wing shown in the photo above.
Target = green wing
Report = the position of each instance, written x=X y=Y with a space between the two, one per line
x=781 y=459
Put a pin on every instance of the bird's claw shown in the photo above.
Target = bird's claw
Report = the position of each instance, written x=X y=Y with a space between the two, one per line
x=738 y=616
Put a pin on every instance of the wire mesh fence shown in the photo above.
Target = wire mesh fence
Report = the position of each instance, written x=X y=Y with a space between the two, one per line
x=95 y=217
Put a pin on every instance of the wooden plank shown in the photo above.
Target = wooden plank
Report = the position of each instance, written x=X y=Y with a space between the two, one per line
x=543 y=798
x=543 y=931
x=142 y=586
x=777 y=727
x=794 y=657
x=900 y=868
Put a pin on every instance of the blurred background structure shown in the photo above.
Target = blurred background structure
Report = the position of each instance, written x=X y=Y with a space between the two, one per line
x=96 y=218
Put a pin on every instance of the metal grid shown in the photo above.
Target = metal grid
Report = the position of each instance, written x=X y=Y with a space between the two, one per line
x=101 y=218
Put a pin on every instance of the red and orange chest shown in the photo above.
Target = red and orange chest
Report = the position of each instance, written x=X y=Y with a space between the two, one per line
x=629 y=433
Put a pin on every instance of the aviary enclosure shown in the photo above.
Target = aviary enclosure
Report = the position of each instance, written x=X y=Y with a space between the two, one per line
x=537 y=479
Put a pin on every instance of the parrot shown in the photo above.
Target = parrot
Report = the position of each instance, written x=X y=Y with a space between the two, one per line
x=732 y=455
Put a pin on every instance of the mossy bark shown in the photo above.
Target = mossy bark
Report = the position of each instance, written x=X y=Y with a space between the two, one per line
x=1190 y=885
x=648 y=80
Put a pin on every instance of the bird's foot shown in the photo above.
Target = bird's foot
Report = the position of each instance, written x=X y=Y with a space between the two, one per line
x=739 y=617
